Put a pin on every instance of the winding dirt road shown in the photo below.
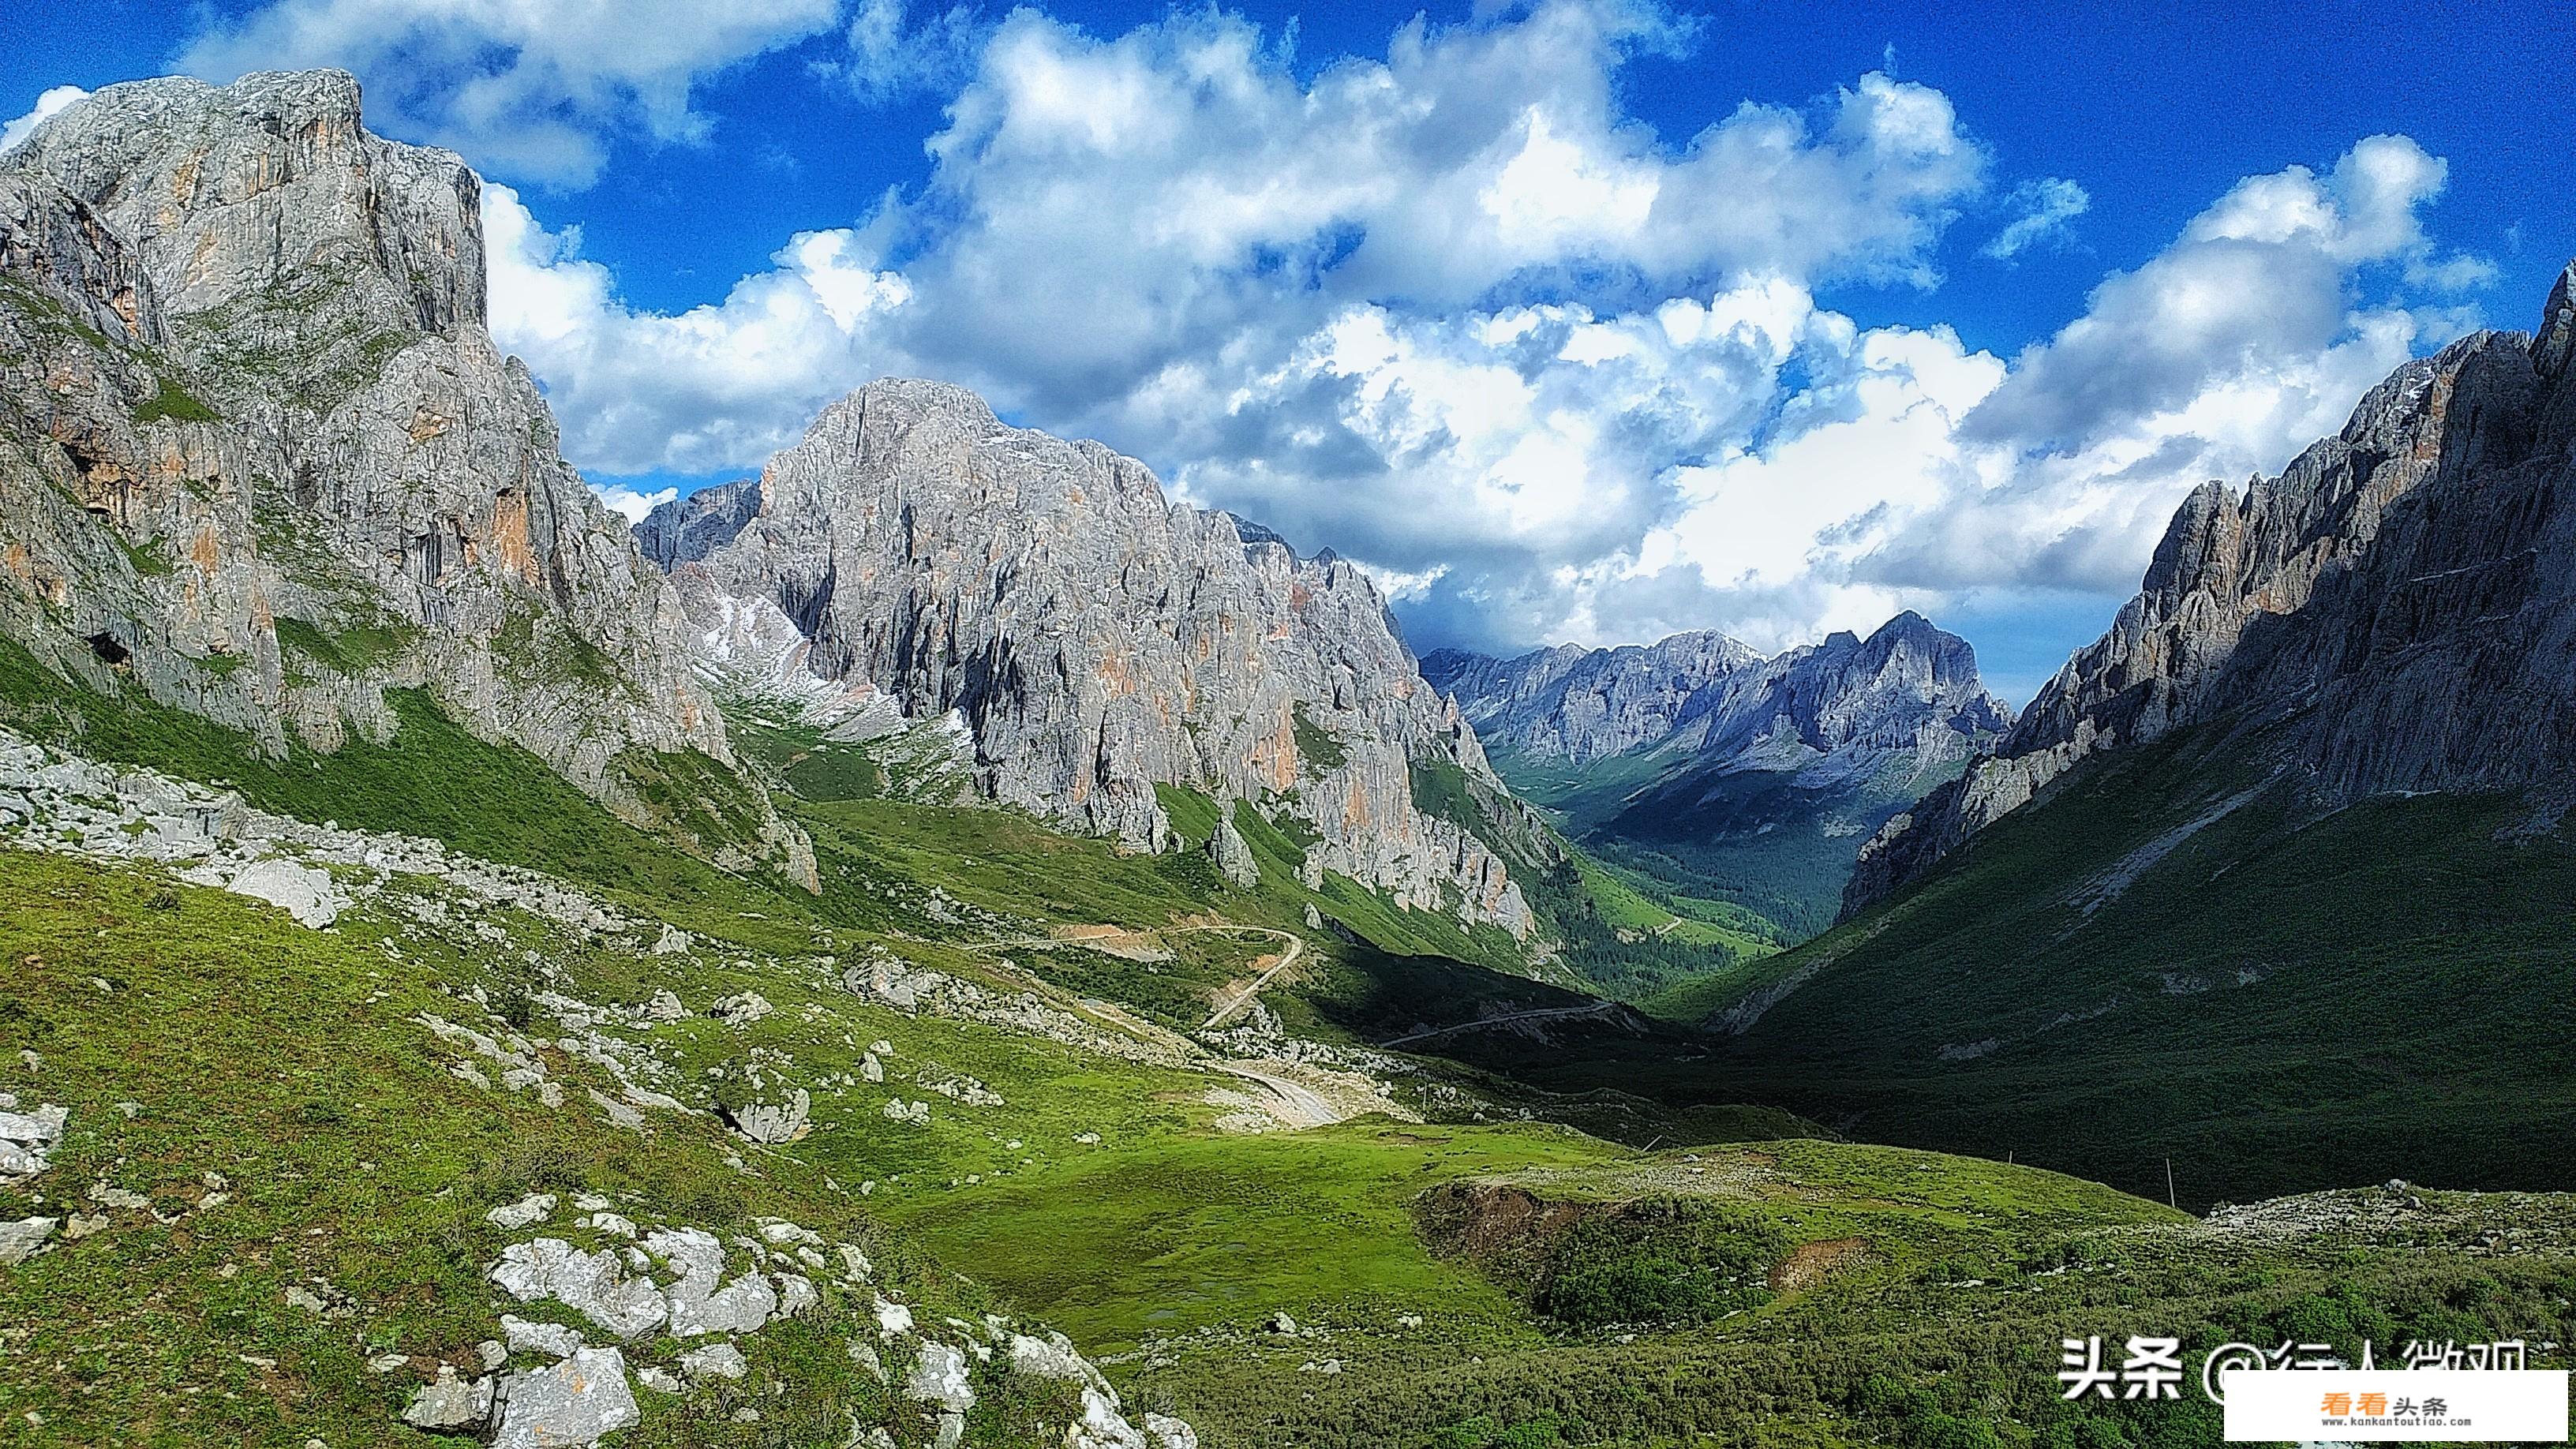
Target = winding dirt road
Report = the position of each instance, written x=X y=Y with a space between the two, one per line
x=1245 y=997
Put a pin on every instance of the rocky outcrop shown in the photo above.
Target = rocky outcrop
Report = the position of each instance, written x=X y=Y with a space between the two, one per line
x=1847 y=704
x=259 y=457
x=688 y=529
x=2396 y=611
x=1096 y=639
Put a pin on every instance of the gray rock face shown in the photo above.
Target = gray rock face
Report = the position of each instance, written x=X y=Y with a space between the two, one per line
x=2396 y=611
x=595 y=1285
x=24 y=1238
x=688 y=529
x=1908 y=687
x=1094 y=638
x=299 y=890
x=1232 y=854
x=450 y=1405
x=575 y=1402
x=245 y=379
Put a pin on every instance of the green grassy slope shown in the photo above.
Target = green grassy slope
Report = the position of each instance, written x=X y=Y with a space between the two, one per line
x=2277 y=1002
x=346 y=1159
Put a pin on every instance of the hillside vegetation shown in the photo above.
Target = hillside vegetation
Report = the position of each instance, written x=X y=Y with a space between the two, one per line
x=2176 y=957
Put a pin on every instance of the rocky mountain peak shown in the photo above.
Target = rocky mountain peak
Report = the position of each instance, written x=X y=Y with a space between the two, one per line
x=2554 y=345
x=1095 y=639
x=230 y=191
x=281 y=472
x=2389 y=612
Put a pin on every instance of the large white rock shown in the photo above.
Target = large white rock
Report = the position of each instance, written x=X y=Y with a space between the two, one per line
x=21 y=1240
x=571 y=1404
x=594 y=1285
x=697 y=1304
x=301 y=891
x=526 y=1212
x=451 y=1403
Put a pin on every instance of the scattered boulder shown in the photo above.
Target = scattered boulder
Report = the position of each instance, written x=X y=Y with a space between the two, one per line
x=124 y=1199
x=451 y=1405
x=741 y=1009
x=1314 y=922
x=1170 y=1433
x=593 y=1285
x=672 y=942
x=617 y=1112
x=774 y=1122
x=780 y=1233
x=892 y=1318
x=796 y=1295
x=715 y=1361
x=24 y=1238
x=1281 y=1323
x=870 y=1068
x=660 y=1380
x=573 y=1403
x=526 y=1212
x=28 y=1138
x=552 y=1339
x=1232 y=855
x=614 y=1224
x=665 y=1006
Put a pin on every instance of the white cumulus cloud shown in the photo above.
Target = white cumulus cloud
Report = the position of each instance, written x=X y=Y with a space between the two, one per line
x=532 y=88
x=719 y=386
x=53 y=99
x=630 y=504
x=1551 y=374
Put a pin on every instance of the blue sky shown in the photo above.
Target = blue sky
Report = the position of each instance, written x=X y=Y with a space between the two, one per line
x=1587 y=320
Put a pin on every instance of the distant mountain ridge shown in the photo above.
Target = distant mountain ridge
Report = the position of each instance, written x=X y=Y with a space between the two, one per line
x=1905 y=686
x=1711 y=763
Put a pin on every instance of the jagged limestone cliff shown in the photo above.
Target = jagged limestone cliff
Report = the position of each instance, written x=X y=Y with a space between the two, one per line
x=2395 y=610
x=259 y=457
x=1096 y=639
